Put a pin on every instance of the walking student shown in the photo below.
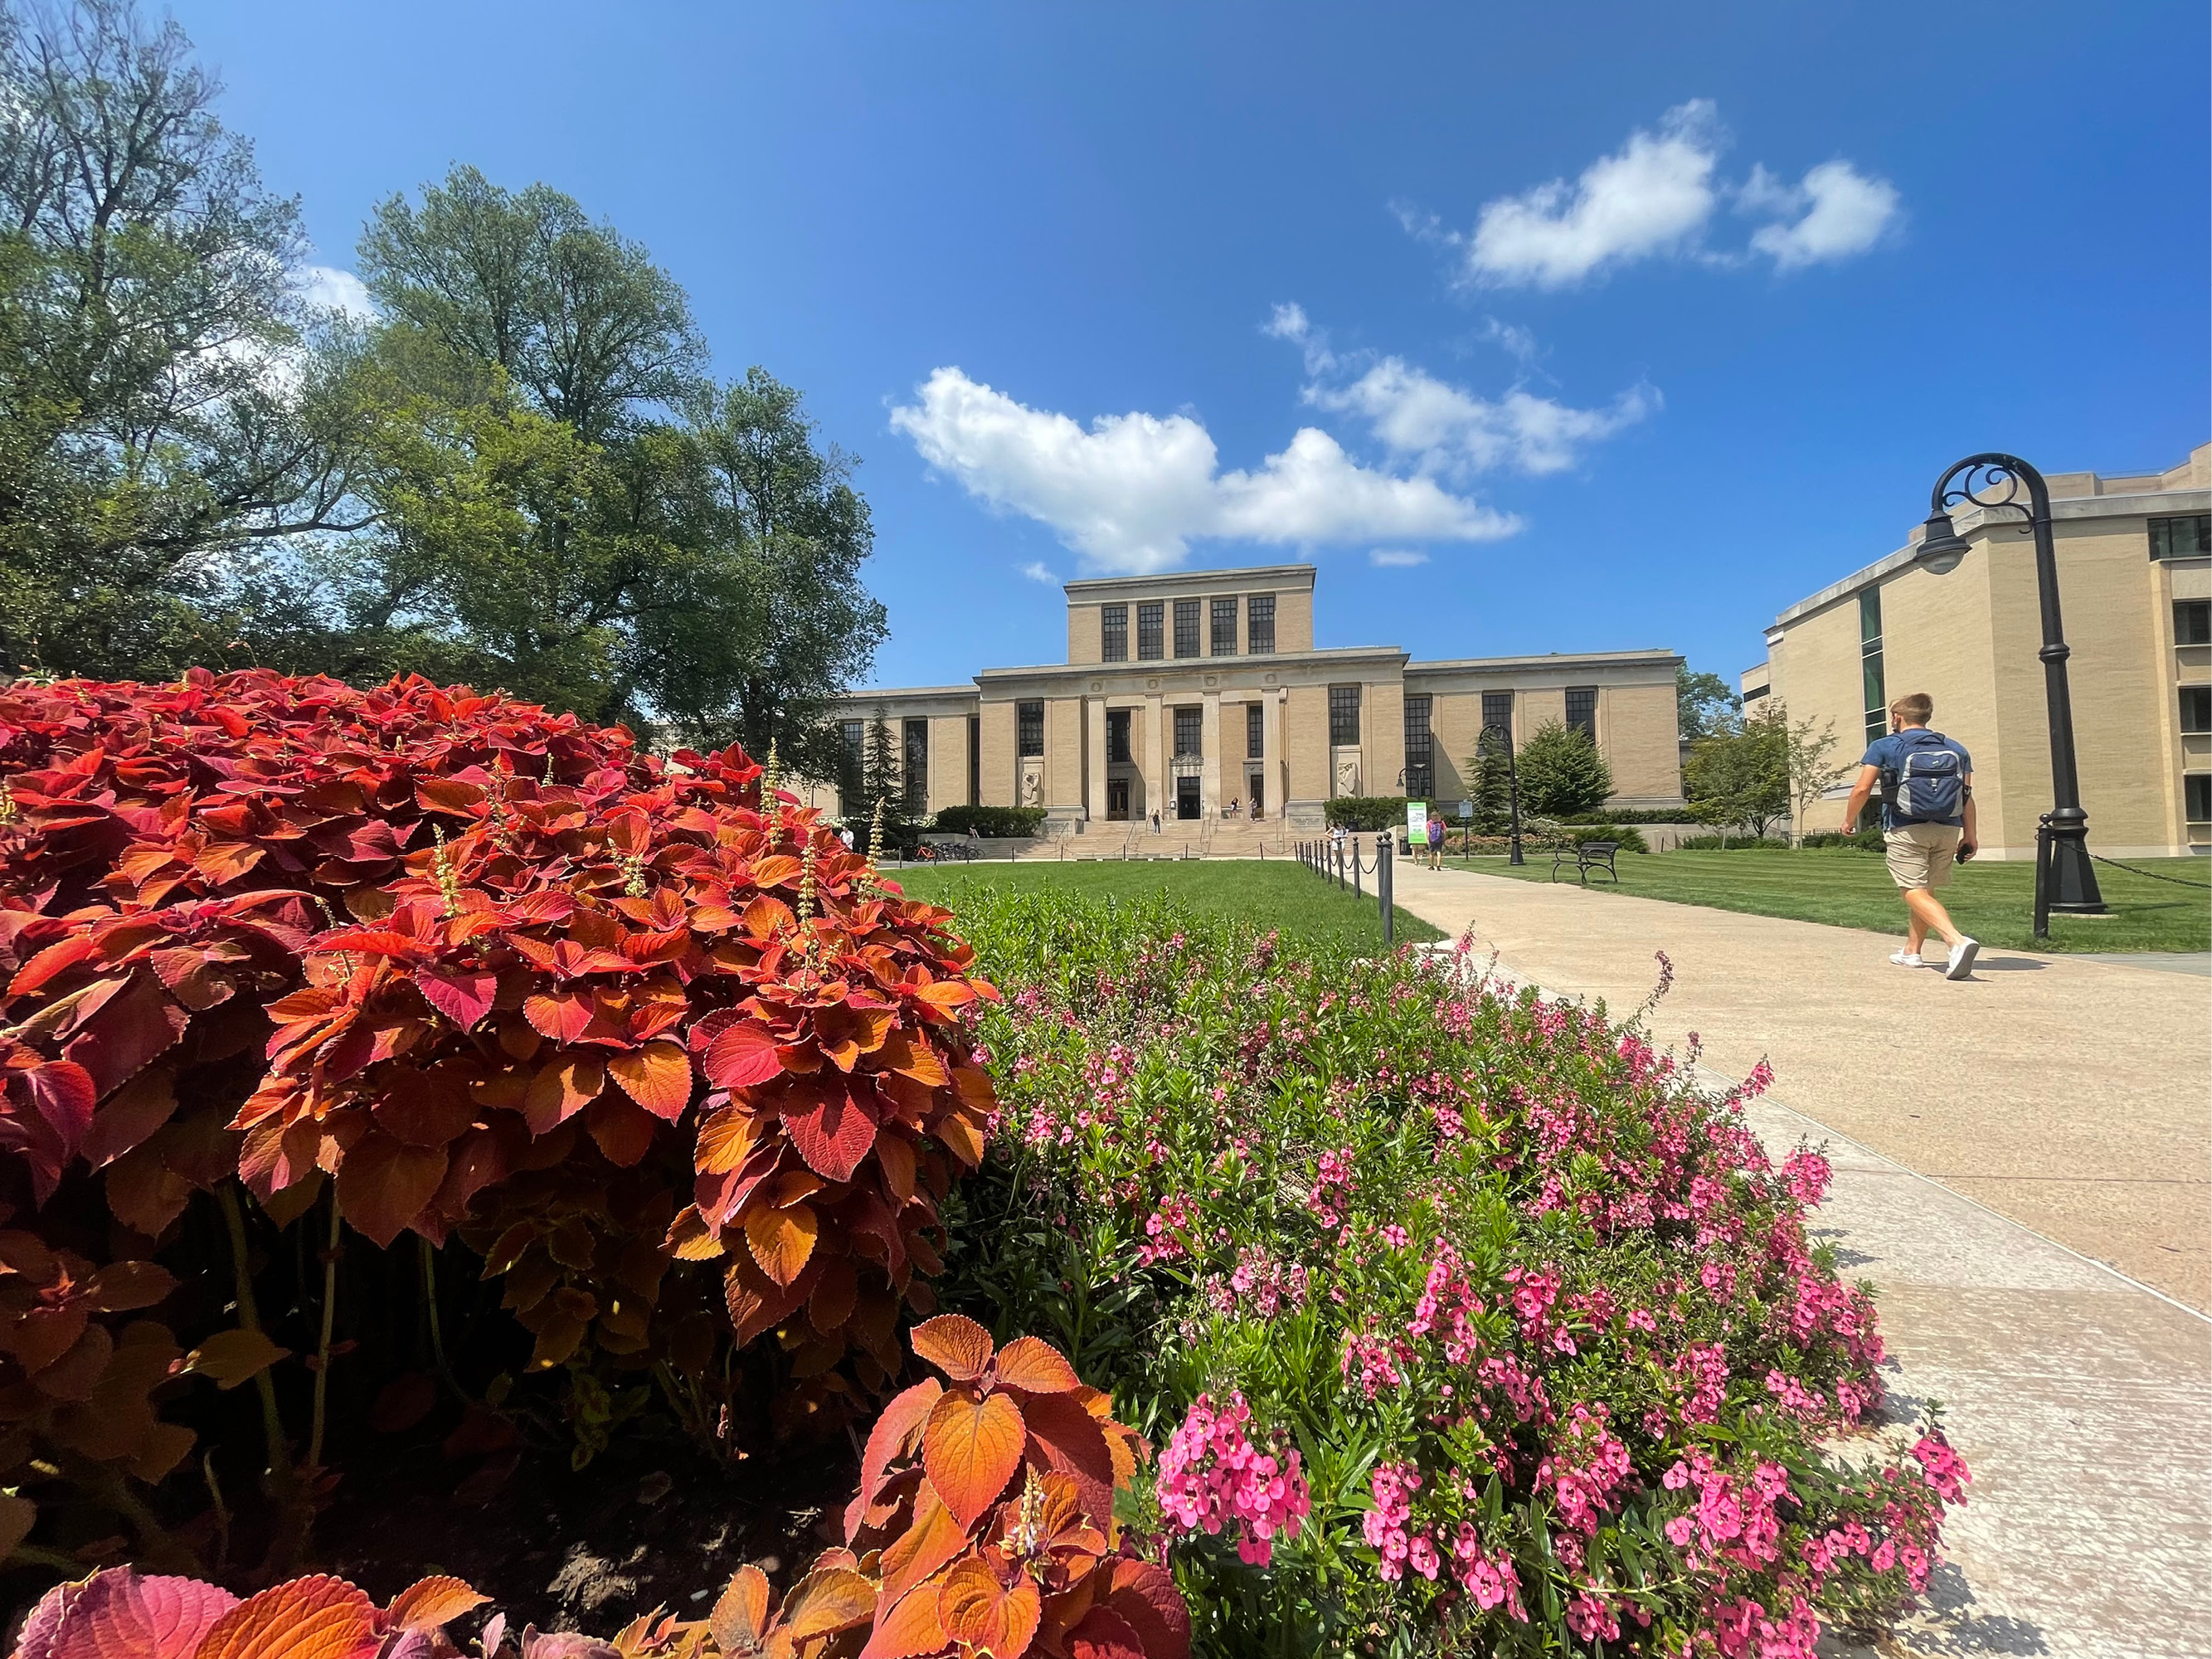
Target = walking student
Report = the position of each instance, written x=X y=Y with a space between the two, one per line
x=1927 y=822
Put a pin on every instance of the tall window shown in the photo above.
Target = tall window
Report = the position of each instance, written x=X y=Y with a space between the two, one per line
x=2189 y=537
x=1114 y=633
x=1344 y=713
x=854 y=732
x=1498 y=710
x=2196 y=796
x=2196 y=708
x=1260 y=623
x=1148 y=632
x=1256 y=731
x=1028 y=729
x=1117 y=734
x=1582 y=710
x=1420 y=747
x=1186 y=628
x=1876 y=698
x=1187 y=730
x=2192 y=622
x=917 y=767
x=1224 y=627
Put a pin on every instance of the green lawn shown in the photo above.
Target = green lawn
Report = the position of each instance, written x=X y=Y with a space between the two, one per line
x=1283 y=896
x=1994 y=902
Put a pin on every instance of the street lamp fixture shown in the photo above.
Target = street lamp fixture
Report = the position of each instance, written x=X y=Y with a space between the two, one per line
x=2065 y=879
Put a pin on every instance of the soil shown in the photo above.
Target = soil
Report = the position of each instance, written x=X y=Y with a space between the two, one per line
x=650 y=1522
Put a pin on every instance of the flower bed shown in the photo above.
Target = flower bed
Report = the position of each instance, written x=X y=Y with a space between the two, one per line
x=1469 y=1322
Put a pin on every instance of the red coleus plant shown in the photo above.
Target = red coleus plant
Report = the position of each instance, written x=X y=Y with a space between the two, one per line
x=119 y=1612
x=495 y=971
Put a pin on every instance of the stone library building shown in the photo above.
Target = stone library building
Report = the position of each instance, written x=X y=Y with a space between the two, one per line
x=1199 y=696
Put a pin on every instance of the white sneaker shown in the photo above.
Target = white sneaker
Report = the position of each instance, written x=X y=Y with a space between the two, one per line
x=1962 y=958
x=1910 y=959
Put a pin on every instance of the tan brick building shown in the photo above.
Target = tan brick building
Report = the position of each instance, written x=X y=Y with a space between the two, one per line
x=1188 y=693
x=2134 y=587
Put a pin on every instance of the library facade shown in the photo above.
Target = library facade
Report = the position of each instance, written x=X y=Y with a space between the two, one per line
x=1199 y=696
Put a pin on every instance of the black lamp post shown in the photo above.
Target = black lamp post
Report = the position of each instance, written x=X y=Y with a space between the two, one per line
x=2065 y=880
x=1512 y=790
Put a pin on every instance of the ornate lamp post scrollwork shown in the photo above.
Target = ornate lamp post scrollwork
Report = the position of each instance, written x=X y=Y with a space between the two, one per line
x=2065 y=880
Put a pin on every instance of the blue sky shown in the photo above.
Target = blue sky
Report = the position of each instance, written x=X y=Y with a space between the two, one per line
x=1565 y=328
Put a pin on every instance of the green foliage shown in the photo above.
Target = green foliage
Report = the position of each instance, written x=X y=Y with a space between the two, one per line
x=1490 y=768
x=1000 y=821
x=1740 y=776
x=1367 y=812
x=1562 y=772
x=1727 y=843
x=1635 y=815
x=1704 y=704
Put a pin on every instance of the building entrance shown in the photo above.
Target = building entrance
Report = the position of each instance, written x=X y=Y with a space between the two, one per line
x=1187 y=798
x=1118 y=799
x=1256 y=792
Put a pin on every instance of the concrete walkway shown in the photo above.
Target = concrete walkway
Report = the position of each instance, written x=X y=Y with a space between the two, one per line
x=2080 y=1399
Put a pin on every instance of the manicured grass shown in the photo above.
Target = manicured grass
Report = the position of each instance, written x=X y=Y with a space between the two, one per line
x=1283 y=896
x=1994 y=902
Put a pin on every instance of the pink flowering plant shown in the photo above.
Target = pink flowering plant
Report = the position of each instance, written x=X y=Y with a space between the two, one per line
x=1465 y=1320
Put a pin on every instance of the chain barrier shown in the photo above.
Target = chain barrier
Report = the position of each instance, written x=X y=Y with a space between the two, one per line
x=2153 y=874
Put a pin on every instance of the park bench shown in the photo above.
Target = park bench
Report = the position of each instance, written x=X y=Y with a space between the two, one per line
x=1586 y=856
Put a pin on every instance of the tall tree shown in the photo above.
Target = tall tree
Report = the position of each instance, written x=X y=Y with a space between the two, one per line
x=1492 y=796
x=162 y=416
x=585 y=326
x=1705 y=707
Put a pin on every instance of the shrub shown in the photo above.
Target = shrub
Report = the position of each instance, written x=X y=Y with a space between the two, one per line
x=1560 y=1362
x=1635 y=815
x=1562 y=772
x=1367 y=812
x=1725 y=843
x=671 y=1060
x=1010 y=821
x=984 y=1524
x=1865 y=841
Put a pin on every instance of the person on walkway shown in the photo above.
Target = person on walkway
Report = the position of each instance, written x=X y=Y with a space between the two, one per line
x=1436 y=841
x=1927 y=821
x=1156 y=821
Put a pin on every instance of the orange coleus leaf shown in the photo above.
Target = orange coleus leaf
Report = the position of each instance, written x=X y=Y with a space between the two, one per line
x=740 y=1616
x=833 y=1130
x=776 y=870
x=781 y=1240
x=1102 y=1633
x=120 y=1613
x=658 y=1077
x=975 y=1608
x=954 y=1344
x=738 y=1055
x=970 y=1449
x=1066 y=1438
x=1035 y=1366
x=563 y=1016
x=431 y=1603
x=317 y=1618
x=829 y=1598
x=561 y=1088
x=725 y=1137
x=934 y=1539
x=893 y=1432
x=383 y=1184
x=1143 y=1593
x=909 y=1628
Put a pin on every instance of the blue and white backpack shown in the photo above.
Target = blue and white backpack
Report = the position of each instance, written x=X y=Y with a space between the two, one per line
x=1931 y=786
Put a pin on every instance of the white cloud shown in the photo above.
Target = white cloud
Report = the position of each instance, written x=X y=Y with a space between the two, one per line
x=1654 y=197
x=1393 y=558
x=1841 y=212
x=1517 y=341
x=328 y=289
x=1131 y=492
x=1036 y=572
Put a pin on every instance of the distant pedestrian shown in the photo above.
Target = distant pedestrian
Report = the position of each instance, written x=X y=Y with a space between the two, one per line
x=1156 y=821
x=1436 y=832
x=1927 y=822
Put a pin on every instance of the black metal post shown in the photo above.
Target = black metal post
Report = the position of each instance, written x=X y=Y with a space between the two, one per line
x=1512 y=791
x=2066 y=880
x=1355 y=865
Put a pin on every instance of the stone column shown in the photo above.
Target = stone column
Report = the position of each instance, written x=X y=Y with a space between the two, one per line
x=1094 y=758
x=1156 y=763
x=1209 y=743
x=1271 y=744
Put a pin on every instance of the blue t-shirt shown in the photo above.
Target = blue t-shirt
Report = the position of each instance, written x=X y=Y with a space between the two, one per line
x=1888 y=753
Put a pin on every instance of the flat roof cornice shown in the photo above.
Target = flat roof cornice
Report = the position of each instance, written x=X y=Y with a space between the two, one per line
x=1654 y=658
x=1275 y=573
x=1341 y=654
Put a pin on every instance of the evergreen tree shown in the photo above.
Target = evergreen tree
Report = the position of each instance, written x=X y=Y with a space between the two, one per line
x=1562 y=773
x=1490 y=768
x=883 y=777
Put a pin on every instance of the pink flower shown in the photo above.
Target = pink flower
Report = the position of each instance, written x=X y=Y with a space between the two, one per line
x=1211 y=1475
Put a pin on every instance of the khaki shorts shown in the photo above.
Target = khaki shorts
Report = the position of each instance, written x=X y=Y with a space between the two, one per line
x=1921 y=854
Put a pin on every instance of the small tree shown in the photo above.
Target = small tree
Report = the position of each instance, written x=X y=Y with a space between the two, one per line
x=1562 y=773
x=1812 y=765
x=1491 y=770
x=1740 y=774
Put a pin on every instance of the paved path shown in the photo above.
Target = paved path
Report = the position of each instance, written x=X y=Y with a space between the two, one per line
x=2080 y=1399
x=2073 y=1096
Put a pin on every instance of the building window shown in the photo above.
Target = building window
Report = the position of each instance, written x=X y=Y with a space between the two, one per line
x=1224 y=627
x=1028 y=729
x=855 y=734
x=1582 y=710
x=2196 y=708
x=2189 y=537
x=1344 y=713
x=1875 y=696
x=1420 y=749
x=1256 y=731
x=1187 y=730
x=1497 y=711
x=1148 y=632
x=2192 y=622
x=1260 y=623
x=975 y=759
x=917 y=767
x=1117 y=735
x=1114 y=633
x=2196 y=796
x=1186 y=628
